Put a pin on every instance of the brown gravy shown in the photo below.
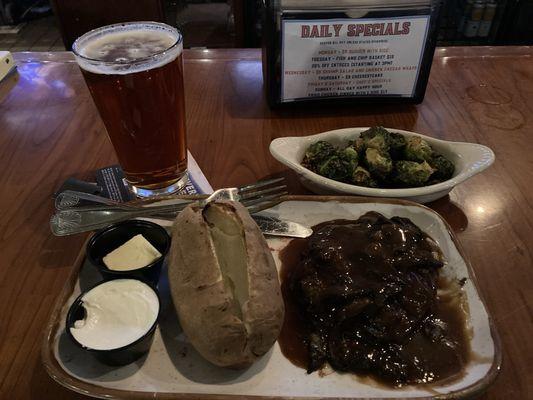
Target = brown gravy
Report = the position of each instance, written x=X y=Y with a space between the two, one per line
x=365 y=296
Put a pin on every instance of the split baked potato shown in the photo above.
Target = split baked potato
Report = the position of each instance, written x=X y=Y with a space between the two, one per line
x=224 y=284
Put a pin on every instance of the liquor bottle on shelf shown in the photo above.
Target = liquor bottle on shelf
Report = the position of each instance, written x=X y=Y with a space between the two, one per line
x=473 y=22
x=465 y=15
x=486 y=22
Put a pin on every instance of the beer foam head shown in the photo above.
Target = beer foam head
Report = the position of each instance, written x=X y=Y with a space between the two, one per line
x=127 y=48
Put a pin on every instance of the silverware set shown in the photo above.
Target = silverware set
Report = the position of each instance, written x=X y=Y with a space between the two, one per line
x=78 y=212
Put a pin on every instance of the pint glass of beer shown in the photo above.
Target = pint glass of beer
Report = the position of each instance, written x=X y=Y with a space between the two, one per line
x=134 y=72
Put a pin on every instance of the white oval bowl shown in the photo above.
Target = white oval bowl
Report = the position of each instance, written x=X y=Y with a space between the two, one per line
x=469 y=159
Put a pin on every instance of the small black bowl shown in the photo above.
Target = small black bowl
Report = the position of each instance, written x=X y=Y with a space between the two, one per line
x=121 y=355
x=108 y=239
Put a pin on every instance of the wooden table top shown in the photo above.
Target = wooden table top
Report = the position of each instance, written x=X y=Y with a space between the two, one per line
x=50 y=130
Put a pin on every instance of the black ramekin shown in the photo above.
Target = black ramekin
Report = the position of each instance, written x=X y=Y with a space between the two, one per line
x=108 y=239
x=121 y=355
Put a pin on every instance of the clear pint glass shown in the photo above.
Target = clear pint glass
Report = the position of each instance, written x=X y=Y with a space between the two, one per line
x=134 y=72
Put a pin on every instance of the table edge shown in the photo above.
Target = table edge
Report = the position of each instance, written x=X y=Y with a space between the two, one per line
x=255 y=54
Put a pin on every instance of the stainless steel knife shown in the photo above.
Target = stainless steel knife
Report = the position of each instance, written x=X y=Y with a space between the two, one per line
x=278 y=227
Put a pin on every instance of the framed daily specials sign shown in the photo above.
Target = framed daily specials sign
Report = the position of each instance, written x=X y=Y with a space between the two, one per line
x=375 y=52
x=343 y=57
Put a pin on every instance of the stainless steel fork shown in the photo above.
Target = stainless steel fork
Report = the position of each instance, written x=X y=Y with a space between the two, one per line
x=70 y=199
x=256 y=197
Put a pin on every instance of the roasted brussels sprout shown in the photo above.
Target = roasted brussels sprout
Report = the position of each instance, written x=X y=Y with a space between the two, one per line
x=317 y=153
x=373 y=131
x=376 y=138
x=417 y=149
x=397 y=145
x=412 y=173
x=362 y=177
x=359 y=145
x=350 y=155
x=337 y=167
x=443 y=167
x=379 y=163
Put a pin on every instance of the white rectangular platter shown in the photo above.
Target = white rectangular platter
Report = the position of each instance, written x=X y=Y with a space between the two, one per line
x=173 y=369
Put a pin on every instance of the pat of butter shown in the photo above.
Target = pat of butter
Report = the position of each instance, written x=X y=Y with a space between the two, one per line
x=135 y=253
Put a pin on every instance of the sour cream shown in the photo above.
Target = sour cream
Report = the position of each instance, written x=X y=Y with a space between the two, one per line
x=118 y=312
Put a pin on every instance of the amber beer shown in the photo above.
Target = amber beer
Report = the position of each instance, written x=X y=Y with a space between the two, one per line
x=134 y=72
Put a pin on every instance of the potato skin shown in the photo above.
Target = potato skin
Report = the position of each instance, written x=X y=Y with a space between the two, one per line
x=207 y=310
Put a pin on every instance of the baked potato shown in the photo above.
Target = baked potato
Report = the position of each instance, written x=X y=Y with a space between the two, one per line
x=224 y=284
